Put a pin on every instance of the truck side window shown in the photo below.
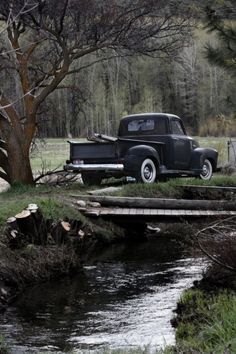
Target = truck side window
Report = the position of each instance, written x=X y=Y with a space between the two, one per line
x=161 y=128
x=176 y=127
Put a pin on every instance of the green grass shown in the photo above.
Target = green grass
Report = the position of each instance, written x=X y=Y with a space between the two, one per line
x=50 y=153
x=218 y=143
x=207 y=322
x=4 y=349
x=50 y=199
x=171 y=189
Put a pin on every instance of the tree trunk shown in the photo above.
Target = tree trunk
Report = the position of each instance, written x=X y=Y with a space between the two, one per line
x=19 y=162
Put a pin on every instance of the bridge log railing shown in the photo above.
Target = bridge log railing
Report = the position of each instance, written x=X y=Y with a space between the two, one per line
x=160 y=203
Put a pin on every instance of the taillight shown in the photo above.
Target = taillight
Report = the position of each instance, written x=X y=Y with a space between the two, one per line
x=78 y=162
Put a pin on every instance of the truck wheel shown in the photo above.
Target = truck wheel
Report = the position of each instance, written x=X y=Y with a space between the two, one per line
x=91 y=179
x=206 y=170
x=147 y=172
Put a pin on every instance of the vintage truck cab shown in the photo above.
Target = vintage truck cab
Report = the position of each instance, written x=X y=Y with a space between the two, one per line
x=149 y=147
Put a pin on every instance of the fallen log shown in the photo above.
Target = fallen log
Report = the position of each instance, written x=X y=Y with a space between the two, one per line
x=160 y=203
x=208 y=192
x=224 y=189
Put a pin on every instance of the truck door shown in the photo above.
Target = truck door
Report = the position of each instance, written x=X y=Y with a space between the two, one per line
x=181 y=145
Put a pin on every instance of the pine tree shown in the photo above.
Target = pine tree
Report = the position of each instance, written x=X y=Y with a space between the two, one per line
x=223 y=22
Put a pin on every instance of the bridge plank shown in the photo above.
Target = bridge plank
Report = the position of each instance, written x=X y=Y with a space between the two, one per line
x=145 y=212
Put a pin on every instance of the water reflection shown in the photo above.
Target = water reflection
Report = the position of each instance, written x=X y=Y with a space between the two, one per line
x=125 y=299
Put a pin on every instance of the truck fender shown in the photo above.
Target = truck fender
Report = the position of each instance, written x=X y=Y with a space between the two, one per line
x=200 y=154
x=136 y=154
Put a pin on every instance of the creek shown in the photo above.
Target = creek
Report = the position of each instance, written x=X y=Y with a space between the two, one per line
x=124 y=299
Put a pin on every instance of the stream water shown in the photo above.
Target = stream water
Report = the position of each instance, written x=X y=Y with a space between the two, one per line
x=124 y=299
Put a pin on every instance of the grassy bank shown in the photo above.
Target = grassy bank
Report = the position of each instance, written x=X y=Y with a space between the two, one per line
x=206 y=322
x=174 y=187
x=26 y=262
x=4 y=349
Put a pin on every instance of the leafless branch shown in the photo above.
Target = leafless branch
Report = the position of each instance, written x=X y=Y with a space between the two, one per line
x=22 y=11
x=219 y=233
x=57 y=177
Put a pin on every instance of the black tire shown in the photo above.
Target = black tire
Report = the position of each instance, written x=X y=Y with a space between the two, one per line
x=207 y=170
x=147 y=171
x=91 y=178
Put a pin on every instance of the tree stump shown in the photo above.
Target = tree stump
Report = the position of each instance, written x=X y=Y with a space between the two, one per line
x=27 y=226
x=60 y=232
x=40 y=223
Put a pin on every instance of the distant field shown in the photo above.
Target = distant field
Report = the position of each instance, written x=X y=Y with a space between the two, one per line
x=52 y=153
x=220 y=144
x=49 y=154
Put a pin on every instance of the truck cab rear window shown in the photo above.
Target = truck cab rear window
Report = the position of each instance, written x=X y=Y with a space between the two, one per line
x=143 y=126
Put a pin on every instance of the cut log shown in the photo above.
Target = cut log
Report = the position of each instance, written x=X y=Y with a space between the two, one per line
x=66 y=226
x=24 y=214
x=39 y=222
x=32 y=207
x=15 y=238
x=160 y=203
x=81 y=233
x=81 y=203
x=27 y=226
x=12 y=223
x=14 y=233
x=93 y=204
x=60 y=232
x=209 y=188
x=75 y=226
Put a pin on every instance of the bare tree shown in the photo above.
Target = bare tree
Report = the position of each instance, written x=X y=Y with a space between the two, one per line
x=42 y=41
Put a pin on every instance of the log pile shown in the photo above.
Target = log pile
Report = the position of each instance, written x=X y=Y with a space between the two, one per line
x=30 y=227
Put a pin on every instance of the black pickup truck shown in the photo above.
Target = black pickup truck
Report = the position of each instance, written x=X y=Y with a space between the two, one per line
x=149 y=147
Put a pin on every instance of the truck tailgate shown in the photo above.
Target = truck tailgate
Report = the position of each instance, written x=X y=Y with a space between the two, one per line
x=104 y=151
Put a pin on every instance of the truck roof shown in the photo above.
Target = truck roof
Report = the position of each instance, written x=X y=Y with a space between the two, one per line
x=140 y=115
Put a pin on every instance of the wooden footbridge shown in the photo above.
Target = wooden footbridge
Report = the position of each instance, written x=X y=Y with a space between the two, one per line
x=156 y=209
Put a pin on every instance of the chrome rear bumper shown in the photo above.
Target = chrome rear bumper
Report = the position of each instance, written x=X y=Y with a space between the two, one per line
x=94 y=167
